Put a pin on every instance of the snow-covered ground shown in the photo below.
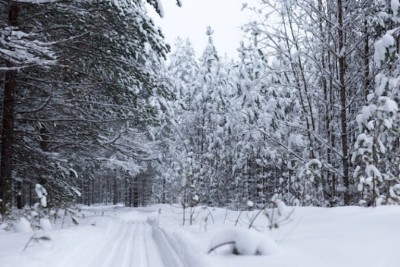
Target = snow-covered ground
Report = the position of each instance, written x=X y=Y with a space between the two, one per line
x=154 y=237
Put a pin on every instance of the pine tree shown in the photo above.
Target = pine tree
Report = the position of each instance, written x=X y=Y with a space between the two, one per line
x=99 y=98
x=376 y=145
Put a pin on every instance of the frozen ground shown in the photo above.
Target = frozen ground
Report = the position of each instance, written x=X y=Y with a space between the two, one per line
x=144 y=237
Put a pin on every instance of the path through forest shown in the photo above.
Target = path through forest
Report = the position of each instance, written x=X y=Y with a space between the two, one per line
x=128 y=238
x=132 y=239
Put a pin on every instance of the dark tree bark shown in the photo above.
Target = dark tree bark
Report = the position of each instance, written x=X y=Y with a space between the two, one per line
x=343 y=111
x=7 y=134
x=20 y=200
x=7 y=137
x=163 y=200
x=366 y=61
x=136 y=192
x=115 y=190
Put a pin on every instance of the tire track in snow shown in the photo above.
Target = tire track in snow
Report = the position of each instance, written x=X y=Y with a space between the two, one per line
x=139 y=257
x=168 y=251
x=134 y=243
x=152 y=248
x=124 y=258
x=146 y=252
x=111 y=251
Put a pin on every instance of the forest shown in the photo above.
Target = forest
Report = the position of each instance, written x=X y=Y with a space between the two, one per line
x=97 y=108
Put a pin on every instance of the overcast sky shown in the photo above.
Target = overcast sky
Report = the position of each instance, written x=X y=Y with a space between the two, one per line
x=191 y=20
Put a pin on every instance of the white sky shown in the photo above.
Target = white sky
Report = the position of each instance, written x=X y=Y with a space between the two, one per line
x=191 y=20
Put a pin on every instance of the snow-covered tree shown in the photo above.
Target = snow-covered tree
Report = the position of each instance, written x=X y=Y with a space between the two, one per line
x=99 y=98
x=376 y=147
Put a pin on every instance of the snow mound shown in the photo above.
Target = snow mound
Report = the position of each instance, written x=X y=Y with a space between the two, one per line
x=245 y=241
x=3 y=227
x=45 y=224
x=23 y=226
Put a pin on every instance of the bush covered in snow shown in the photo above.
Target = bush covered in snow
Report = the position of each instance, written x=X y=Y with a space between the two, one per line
x=244 y=242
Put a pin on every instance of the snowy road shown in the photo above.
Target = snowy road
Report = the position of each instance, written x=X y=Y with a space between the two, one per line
x=124 y=239
x=129 y=241
x=131 y=245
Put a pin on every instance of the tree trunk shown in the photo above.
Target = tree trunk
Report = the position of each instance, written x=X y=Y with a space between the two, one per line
x=7 y=134
x=163 y=190
x=366 y=61
x=343 y=111
x=115 y=190
x=136 y=192
x=19 y=196
x=7 y=138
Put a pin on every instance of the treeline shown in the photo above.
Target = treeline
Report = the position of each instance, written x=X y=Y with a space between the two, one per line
x=309 y=113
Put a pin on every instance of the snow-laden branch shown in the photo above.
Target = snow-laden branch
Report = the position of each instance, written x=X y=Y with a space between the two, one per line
x=38 y=1
x=23 y=49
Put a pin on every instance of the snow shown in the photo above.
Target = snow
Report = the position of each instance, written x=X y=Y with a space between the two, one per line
x=314 y=162
x=395 y=191
x=37 y=1
x=76 y=191
x=363 y=119
x=246 y=241
x=17 y=47
x=43 y=201
x=126 y=165
x=381 y=81
x=23 y=226
x=382 y=46
x=388 y=105
x=250 y=204
x=45 y=224
x=116 y=236
x=160 y=8
x=41 y=194
x=3 y=227
x=40 y=191
x=147 y=48
x=394 y=4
